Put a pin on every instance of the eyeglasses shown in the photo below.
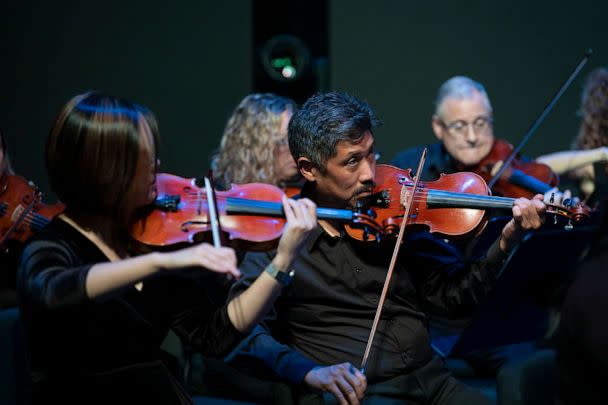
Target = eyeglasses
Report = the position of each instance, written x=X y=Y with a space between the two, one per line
x=460 y=128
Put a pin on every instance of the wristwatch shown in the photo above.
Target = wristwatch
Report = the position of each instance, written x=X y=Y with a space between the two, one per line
x=284 y=278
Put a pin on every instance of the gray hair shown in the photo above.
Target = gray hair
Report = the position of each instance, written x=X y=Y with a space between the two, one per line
x=460 y=87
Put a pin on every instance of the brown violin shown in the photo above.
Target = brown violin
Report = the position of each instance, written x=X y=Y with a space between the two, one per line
x=251 y=215
x=520 y=179
x=22 y=211
x=455 y=205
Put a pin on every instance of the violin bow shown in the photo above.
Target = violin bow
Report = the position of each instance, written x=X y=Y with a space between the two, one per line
x=212 y=204
x=540 y=118
x=391 y=267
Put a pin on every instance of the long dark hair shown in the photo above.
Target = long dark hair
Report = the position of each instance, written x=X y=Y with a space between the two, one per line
x=91 y=157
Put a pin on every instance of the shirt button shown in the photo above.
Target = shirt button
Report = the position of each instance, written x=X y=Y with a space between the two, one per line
x=375 y=300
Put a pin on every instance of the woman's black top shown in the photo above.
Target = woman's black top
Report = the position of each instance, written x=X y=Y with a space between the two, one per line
x=108 y=351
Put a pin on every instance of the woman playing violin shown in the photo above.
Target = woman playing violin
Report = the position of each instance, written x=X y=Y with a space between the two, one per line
x=94 y=316
x=254 y=146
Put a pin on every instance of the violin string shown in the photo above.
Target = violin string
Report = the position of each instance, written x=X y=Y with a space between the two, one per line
x=454 y=197
x=428 y=196
x=36 y=220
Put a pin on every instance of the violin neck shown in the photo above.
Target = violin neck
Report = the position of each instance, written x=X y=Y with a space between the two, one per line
x=448 y=199
x=528 y=182
x=274 y=209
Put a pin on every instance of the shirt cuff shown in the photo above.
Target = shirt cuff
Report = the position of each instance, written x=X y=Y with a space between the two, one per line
x=294 y=367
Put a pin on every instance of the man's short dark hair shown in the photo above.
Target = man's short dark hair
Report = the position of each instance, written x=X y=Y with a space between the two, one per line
x=323 y=121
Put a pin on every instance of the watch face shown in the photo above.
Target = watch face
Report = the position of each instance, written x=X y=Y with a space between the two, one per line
x=285 y=278
x=282 y=277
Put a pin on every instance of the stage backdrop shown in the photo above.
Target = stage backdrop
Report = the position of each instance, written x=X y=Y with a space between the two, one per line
x=191 y=62
x=396 y=54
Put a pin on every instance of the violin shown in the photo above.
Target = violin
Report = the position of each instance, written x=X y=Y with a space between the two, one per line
x=520 y=179
x=22 y=211
x=455 y=205
x=251 y=215
x=292 y=191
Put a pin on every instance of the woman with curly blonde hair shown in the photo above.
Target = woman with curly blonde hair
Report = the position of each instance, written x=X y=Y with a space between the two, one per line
x=254 y=147
x=591 y=144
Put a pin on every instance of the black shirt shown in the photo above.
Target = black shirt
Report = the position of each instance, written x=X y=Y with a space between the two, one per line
x=582 y=337
x=324 y=317
x=438 y=161
x=87 y=351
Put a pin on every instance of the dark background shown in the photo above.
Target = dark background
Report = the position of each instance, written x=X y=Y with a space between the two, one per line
x=192 y=61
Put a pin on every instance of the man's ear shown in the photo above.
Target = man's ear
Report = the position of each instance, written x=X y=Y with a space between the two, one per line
x=307 y=169
x=437 y=127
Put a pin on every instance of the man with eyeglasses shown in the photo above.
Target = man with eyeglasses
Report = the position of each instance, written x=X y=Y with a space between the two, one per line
x=462 y=123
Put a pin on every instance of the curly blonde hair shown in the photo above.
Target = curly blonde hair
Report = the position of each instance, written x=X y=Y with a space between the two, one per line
x=251 y=135
x=593 y=132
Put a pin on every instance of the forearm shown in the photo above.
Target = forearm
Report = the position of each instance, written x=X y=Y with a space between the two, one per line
x=107 y=278
x=249 y=308
x=282 y=360
x=561 y=162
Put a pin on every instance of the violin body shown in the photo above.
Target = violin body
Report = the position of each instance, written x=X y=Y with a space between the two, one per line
x=426 y=211
x=181 y=216
x=21 y=209
x=521 y=179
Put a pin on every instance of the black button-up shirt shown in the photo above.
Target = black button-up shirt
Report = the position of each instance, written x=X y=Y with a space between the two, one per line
x=324 y=317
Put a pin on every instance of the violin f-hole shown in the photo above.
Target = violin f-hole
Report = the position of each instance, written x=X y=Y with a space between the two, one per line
x=185 y=225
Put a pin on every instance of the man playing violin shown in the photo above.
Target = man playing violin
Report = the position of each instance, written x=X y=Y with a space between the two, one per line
x=463 y=124
x=318 y=334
